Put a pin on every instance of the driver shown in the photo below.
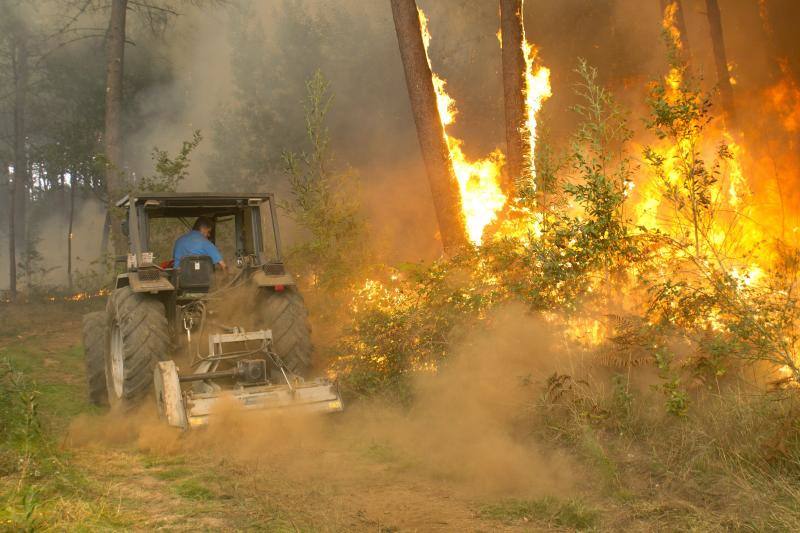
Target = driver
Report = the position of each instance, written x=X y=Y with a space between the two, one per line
x=196 y=243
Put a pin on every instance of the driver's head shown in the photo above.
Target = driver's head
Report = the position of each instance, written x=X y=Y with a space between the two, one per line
x=204 y=225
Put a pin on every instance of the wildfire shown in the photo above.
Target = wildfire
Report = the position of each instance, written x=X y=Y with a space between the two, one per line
x=482 y=197
x=670 y=24
x=784 y=99
x=737 y=184
x=478 y=181
x=537 y=90
x=79 y=296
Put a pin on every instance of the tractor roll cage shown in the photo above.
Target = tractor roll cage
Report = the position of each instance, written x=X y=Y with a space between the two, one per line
x=142 y=207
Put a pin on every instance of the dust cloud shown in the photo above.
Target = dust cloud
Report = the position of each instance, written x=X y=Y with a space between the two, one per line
x=470 y=425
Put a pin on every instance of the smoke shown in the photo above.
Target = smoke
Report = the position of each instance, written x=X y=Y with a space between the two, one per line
x=470 y=424
x=48 y=266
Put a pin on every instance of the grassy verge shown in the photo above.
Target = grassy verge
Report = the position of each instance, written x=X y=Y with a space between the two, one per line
x=731 y=462
x=572 y=514
x=40 y=390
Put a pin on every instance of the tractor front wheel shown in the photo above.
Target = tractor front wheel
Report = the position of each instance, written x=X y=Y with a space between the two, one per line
x=138 y=338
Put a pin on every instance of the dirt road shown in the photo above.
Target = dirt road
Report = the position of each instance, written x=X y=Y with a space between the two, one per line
x=294 y=476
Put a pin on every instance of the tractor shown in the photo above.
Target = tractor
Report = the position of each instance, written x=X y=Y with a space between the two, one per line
x=193 y=335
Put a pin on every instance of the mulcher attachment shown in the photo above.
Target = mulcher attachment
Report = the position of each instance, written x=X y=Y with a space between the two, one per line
x=192 y=399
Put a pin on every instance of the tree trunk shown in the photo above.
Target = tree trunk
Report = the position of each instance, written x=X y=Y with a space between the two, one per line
x=19 y=198
x=430 y=133
x=720 y=58
x=680 y=22
x=12 y=251
x=517 y=150
x=777 y=61
x=69 y=229
x=115 y=54
x=105 y=235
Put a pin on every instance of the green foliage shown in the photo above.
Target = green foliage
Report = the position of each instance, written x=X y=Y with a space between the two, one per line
x=621 y=398
x=324 y=202
x=22 y=515
x=599 y=158
x=21 y=441
x=575 y=247
x=170 y=171
x=19 y=420
x=404 y=326
x=677 y=400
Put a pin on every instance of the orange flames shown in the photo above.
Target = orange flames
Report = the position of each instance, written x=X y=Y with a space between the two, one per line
x=482 y=197
x=478 y=181
x=732 y=231
x=537 y=90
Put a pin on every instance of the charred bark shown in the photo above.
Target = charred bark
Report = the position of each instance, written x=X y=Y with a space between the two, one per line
x=430 y=133
x=115 y=60
x=517 y=150
x=720 y=59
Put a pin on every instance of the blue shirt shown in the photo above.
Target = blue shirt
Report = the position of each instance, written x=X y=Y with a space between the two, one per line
x=194 y=243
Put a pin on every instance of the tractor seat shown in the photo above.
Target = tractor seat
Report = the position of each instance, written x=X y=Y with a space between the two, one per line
x=195 y=273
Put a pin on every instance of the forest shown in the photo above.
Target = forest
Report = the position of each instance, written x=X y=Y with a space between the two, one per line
x=547 y=253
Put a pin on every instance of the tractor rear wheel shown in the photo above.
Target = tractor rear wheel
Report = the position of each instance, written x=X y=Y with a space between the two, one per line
x=284 y=312
x=138 y=339
x=95 y=345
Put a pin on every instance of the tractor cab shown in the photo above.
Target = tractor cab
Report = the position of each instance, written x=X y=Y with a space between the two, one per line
x=245 y=231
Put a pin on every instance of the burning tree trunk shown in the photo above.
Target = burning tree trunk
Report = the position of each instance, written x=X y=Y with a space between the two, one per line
x=115 y=50
x=511 y=31
x=430 y=133
x=680 y=23
x=720 y=58
x=19 y=184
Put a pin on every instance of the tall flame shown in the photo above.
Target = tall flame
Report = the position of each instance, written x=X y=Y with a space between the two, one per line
x=482 y=197
x=478 y=181
x=537 y=90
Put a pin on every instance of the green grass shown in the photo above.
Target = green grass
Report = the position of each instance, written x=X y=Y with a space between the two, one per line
x=156 y=461
x=173 y=474
x=570 y=513
x=193 y=489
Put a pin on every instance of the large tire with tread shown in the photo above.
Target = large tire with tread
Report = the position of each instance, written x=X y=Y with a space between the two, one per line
x=284 y=312
x=95 y=345
x=138 y=338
